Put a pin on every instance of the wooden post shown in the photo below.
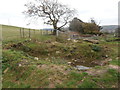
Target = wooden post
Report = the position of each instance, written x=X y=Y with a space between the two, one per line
x=23 y=33
x=34 y=31
x=20 y=33
x=29 y=33
x=41 y=32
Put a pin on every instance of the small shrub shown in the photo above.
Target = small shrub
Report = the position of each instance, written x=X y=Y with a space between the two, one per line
x=26 y=49
x=96 y=48
x=85 y=73
x=4 y=66
x=11 y=55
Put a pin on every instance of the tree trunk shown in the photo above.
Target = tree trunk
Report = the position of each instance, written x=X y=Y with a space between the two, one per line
x=54 y=32
x=55 y=28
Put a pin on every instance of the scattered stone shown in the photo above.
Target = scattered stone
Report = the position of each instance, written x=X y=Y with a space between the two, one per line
x=72 y=59
x=6 y=70
x=68 y=39
x=106 y=56
x=36 y=58
x=57 y=52
x=75 y=41
x=20 y=65
x=75 y=60
x=53 y=43
x=69 y=62
x=50 y=79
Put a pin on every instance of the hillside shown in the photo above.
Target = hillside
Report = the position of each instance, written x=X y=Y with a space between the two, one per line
x=55 y=62
x=109 y=28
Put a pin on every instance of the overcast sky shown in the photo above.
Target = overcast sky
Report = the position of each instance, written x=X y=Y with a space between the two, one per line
x=103 y=11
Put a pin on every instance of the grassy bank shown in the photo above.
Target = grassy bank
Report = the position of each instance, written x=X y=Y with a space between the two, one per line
x=48 y=62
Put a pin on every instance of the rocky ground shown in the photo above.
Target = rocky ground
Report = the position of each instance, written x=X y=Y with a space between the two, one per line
x=51 y=63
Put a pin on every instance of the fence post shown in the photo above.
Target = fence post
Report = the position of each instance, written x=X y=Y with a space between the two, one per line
x=41 y=32
x=20 y=33
x=34 y=31
x=29 y=33
x=23 y=33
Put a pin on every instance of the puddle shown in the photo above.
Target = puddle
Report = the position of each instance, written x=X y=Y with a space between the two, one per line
x=80 y=67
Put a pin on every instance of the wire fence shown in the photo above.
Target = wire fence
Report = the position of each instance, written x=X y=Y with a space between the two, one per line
x=10 y=32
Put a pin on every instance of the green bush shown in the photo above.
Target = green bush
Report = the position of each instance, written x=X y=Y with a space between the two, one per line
x=96 y=48
x=11 y=55
x=90 y=28
x=4 y=66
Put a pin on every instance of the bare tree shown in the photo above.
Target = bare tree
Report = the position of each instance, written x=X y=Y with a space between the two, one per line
x=51 y=11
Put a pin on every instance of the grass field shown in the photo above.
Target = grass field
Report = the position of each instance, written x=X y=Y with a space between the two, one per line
x=12 y=32
x=43 y=61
